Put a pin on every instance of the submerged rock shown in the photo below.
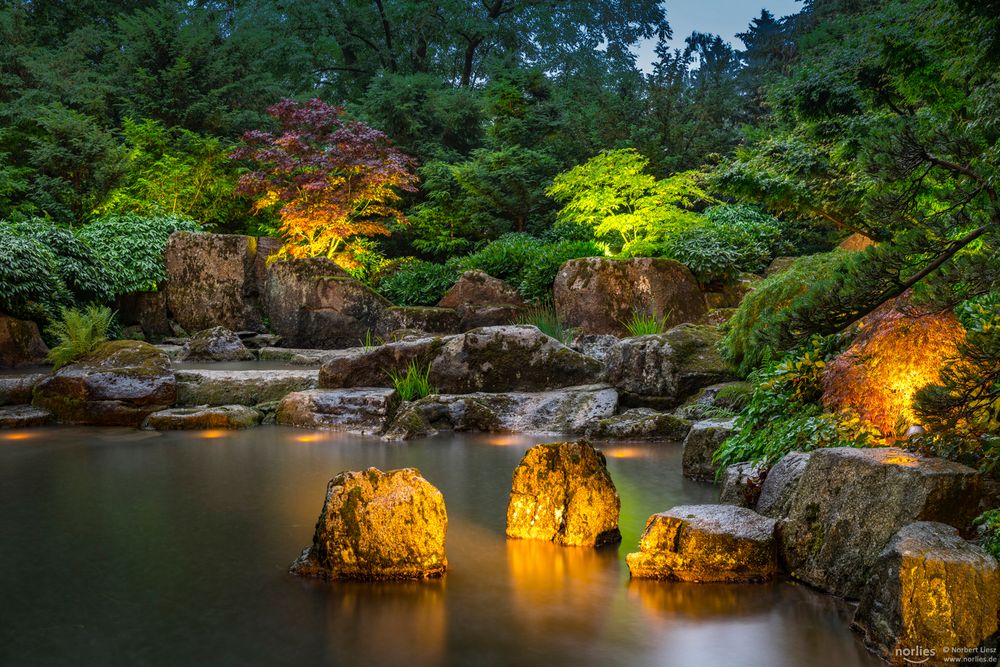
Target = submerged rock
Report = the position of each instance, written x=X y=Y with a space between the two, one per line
x=639 y=424
x=561 y=411
x=663 y=370
x=118 y=384
x=24 y=416
x=509 y=358
x=562 y=493
x=20 y=343
x=378 y=525
x=850 y=502
x=204 y=417
x=361 y=410
x=706 y=543
x=250 y=387
x=215 y=344
x=930 y=590
x=700 y=445
x=598 y=295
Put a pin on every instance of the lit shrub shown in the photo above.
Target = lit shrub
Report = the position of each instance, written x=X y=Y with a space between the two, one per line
x=131 y=248
x=989 y=524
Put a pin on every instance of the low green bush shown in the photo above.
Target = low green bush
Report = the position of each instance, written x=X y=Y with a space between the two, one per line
x=78 y=333
x=131 y=248
x=415 y=282
x=78 y=266
x=538 y=276
x=31 y=287
x=989 y=523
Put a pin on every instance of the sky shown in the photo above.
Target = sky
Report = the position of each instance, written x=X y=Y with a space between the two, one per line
x=721 y=17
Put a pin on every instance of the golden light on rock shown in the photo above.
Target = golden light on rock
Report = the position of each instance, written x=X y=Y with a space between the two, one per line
x=896 y=353
x=907 y=461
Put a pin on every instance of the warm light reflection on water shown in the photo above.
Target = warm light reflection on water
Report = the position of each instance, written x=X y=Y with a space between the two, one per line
x=626 y=452
x=309 y=437
x=18 y=436
x=213 y=434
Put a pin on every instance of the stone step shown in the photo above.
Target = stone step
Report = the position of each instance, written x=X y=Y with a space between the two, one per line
x=16 y=389
x=243 y=387
x=204 y=417
x=23 y=416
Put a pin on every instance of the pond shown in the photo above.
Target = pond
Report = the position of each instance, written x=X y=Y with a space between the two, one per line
x=123 y=547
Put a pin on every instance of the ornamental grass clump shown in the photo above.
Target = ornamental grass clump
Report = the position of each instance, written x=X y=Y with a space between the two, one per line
x=645 y=324
x=414 y=384
x=543 y=316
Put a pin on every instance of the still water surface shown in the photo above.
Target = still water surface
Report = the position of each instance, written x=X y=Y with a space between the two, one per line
x=128 y=548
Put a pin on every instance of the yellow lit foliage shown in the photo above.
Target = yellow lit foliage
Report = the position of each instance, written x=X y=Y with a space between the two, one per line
x=896 y=353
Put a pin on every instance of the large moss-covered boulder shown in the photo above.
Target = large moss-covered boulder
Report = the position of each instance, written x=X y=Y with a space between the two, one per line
x=850 y=502
x=663 y=370
x=509 y=358
x=700 y=445
x=598 y=295
x=378 y=525
x=706 y=543
x=20 y=343
x=562 y=493
x=118 y=384
x=361 y=410
x=212 y=281
x=203 y=417
x=374 y=366
x=560 y=411
x=639 y=424
x=215 y=344
x=245 y=387
x=313 y=303
x=930 y=591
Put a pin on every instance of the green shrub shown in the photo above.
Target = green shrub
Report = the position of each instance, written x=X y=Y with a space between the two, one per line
x=78 y=333
x=30 y=285
x=538 y=276
x=413 y=384
x=989 y=523
x=131 y=248
x=506 y=258
x=544 y=317
x=710 y=258
x=782 y=415
x=643 y=324
x=78 y=266
x=414 y=282
x=753 y=336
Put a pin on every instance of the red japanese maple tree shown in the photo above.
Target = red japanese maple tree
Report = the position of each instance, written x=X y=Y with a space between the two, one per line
x=336 y=179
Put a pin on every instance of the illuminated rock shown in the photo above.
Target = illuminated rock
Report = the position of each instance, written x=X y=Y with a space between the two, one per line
x=20 y=343
x=663 y=370
x=849 y=503
x=118 y=384
x=205 y=417
x=562 y=492
x=639 y=424
x=215 y=344
x=741 y=484
x=378 y=525
x=364 y=410
x=700 y=445
x=597 y=295
x=706 y=543
x=930 y=590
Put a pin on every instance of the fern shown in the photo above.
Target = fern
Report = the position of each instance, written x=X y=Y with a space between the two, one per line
x=78 y=333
